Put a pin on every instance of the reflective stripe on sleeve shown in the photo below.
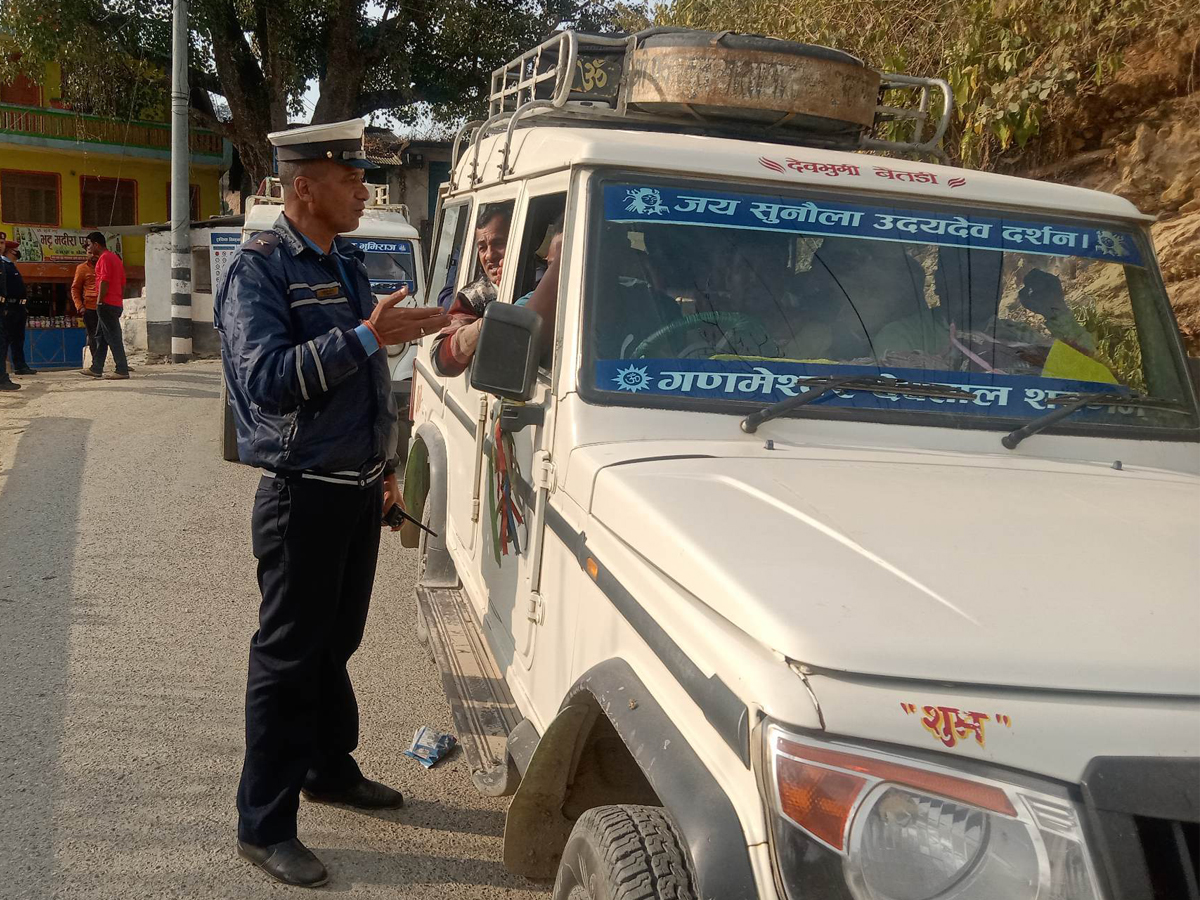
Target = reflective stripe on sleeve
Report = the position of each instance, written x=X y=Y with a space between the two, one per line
x=300 y=370
x=320 y=368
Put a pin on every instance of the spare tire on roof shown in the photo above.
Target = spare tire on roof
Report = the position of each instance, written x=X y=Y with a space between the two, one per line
x=722 y=76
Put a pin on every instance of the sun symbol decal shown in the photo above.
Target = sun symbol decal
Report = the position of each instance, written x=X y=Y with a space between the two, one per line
x=632 y=379
x=644 y=201
x=1110 y=244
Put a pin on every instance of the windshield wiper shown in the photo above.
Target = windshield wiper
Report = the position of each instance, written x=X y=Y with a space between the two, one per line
x=1072 y=402
x=819 y=387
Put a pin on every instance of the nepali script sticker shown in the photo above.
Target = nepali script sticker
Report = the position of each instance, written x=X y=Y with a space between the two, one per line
x=372 y=245
x=760 y=212
x=767 y=382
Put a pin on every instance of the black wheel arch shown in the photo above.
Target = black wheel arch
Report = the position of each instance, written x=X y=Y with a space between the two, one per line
x=425 y=485
x=610 y=697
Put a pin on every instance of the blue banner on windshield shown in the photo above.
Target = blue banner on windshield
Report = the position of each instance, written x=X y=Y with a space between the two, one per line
x=769 y=381
x=390 y=287
x=374 y=245
x=761 y=212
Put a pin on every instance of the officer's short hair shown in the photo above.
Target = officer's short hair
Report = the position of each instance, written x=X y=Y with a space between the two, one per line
x=97 y=238
x=290 y=170
x=490 y=211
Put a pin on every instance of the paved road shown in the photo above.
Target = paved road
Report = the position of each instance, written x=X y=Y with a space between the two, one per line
x=127 y=599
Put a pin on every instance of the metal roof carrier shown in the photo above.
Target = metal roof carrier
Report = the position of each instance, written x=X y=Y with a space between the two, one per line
x=590 y=79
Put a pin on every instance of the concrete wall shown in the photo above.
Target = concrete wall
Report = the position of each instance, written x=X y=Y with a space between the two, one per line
x=205 y=341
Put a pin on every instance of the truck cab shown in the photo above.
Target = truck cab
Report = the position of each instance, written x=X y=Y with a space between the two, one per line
x=837 y=540
x=392 y=249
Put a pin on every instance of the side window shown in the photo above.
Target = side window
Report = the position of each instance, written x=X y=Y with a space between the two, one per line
x=543 y=221
x=444 y=271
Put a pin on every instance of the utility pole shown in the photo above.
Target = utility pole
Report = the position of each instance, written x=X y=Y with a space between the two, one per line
x=181 y=193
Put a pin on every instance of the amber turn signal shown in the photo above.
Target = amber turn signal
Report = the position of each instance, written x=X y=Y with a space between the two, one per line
x=818 y=800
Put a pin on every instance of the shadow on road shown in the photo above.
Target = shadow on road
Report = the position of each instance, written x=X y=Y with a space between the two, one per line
x=38 y=534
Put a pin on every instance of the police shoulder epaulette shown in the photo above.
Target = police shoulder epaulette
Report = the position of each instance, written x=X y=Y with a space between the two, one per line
x=264 y=242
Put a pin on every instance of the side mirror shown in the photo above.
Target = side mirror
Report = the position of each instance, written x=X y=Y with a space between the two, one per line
x=506 y=357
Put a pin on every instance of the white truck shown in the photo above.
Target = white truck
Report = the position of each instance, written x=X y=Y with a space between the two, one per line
x=392 y=248
x=840 y=538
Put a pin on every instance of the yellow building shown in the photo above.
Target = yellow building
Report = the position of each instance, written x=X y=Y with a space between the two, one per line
x=63 y=174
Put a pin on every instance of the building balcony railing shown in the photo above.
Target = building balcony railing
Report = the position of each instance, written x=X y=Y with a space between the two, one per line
x=69 y=126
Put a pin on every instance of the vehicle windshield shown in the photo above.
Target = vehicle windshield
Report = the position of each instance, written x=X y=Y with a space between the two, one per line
x=389 y=264
x=699 y=296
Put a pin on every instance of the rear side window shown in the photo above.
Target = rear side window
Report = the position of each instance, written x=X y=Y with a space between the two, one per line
x=443 y=272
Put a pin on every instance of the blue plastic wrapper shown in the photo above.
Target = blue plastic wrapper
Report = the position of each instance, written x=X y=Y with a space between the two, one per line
x=428 y=746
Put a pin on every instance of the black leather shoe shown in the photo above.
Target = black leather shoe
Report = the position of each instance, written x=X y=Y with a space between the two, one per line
x=288 y=861
x=25 y=371
x=9 y=386
x=367 y=794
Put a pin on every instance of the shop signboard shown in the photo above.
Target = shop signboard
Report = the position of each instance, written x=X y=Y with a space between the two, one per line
x=58 y=245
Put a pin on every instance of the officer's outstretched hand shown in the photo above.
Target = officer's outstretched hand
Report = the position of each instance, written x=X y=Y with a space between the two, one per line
x=397 y=325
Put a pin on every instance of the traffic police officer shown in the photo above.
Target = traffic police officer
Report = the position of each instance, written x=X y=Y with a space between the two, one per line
x=302 y=341
x=12 y=315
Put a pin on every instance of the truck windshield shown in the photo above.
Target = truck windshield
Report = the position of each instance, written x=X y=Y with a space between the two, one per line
x=389 y=264
x=699 y=295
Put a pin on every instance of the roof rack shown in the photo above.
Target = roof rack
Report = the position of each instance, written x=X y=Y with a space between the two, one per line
x=585 y=78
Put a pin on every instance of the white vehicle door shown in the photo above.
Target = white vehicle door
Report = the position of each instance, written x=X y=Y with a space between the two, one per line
x=509 y=566
x=465 y=503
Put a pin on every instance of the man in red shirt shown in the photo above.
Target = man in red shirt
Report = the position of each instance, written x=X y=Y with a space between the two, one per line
x=110 y=291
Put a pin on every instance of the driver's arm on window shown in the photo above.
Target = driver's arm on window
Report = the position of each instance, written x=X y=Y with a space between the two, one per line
x=454 y=347
x=544 y=298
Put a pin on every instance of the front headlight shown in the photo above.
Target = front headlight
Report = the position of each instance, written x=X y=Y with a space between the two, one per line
x=904 y=829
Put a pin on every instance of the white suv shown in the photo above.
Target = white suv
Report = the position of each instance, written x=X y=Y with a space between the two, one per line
x=844 y=543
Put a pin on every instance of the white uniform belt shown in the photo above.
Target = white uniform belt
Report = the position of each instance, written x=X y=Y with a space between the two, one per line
x=356 y=479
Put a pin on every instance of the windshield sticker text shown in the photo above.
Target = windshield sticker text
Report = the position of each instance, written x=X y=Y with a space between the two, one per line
x=769 y=381
x=639 y=203
x=951 y=725
x=376 y=246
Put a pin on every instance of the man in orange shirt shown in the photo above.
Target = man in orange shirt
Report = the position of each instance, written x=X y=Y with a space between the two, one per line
x=83 y=292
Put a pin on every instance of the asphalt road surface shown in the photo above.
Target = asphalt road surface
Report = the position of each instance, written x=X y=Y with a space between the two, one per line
x=127 y=601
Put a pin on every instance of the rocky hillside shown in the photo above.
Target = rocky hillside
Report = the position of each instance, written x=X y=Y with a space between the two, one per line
x=1140 y=137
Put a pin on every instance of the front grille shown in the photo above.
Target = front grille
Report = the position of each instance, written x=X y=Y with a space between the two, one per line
x=1172 y=851
x=1143 y=819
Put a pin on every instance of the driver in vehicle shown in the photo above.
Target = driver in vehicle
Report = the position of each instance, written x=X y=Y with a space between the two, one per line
x=454 y=347
x=638 y=290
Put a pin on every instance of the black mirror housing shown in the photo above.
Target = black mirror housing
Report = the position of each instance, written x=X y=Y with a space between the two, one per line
x=506 y=357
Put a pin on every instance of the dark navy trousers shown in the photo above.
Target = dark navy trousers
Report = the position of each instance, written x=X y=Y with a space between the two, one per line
x=316 y=545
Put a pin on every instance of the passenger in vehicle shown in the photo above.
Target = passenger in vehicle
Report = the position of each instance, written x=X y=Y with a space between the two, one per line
x=854 y=295
x=454 y=347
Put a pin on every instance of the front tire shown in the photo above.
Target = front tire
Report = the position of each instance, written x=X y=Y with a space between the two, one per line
x=624 y=853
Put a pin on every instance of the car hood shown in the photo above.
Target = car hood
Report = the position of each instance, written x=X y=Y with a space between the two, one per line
x=1035 y=574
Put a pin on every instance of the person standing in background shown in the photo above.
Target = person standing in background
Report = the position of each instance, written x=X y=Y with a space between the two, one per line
x=14 y=312
x=6 y=383
x=110 y=293
x=83 y=293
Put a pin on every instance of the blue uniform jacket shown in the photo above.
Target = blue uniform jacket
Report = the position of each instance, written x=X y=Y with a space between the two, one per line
x=14 y=284
x=304 y=392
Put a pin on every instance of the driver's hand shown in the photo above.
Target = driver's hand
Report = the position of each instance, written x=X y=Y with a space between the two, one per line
x=466 y=339
x=1043 y=294
x=554 y=253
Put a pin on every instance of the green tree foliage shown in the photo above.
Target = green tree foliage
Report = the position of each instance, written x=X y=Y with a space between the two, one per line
x=258 y=56
x=1008 y=61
